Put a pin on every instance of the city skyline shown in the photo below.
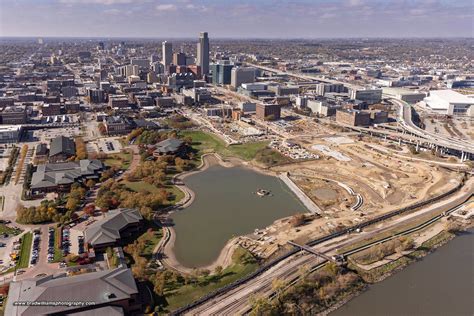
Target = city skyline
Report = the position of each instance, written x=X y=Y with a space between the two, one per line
x=236 y=19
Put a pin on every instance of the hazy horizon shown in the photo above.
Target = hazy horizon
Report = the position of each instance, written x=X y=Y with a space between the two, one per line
x=298 y=19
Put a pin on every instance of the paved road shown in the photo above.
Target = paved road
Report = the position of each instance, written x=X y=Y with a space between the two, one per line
x=304 y=77
x=405 y=117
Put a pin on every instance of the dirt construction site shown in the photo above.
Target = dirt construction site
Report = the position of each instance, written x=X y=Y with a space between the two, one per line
x=365 y=184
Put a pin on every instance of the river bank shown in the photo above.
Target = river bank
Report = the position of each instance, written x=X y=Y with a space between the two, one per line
x=386 y=271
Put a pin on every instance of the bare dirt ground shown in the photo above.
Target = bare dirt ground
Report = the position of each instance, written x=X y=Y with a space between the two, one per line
x=386 y=183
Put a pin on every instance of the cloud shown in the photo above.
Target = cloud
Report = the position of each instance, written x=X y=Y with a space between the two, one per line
x=355 y=3
x=113 y=11
x=166 y=7
x=103 y=2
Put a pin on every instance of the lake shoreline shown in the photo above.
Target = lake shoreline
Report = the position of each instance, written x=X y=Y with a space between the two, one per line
x=166 y=249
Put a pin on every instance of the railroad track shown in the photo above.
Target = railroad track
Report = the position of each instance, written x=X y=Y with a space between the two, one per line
x=225 y=291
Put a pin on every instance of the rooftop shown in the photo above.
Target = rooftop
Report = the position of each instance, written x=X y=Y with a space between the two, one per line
x=62 y=145
x=451 y=96
x=107 y=230
x=169 y=145
x=65 y=173
x=103 y=287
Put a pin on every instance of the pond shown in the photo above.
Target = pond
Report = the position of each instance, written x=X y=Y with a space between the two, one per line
x=226 y=205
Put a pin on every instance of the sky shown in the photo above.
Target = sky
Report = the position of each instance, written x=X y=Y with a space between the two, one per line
x=237 y=18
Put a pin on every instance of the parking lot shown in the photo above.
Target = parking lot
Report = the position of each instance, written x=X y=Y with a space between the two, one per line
x=105 y=145
x=68 y=118
x=46 y=135
x=8 y=244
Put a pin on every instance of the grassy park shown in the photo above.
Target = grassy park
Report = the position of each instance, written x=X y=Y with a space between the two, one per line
x=120 y=160
x=205 y=142
x=139 y=186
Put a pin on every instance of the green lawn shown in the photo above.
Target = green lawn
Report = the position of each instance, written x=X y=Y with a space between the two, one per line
x=4 y=229
x=178 y=195
x=152 y=242
x=185 y=294
x=206 y=143
x=121 y=160
x=25 y=250
x=144 y=186
x=58 y=254
x=140 y=186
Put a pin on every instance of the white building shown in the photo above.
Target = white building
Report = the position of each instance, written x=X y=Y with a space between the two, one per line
x=450 y=102
x=407 y=95
x=371 y=96
x=10 y=133
x=241 y=75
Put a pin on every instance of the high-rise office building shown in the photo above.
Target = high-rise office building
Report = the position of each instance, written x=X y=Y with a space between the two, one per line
x=203 y=53
x=221 y=72
x=241 y=75
x=167 y=53
x=179 y=59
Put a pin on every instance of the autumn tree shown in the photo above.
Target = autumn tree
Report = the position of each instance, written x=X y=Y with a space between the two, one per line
x=218 y=270
x=90 y=183
x=89 y=209
x=81 y=149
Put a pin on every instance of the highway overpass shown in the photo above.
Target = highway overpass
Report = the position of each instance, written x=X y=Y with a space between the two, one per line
x=464 y=149
x=453 y=146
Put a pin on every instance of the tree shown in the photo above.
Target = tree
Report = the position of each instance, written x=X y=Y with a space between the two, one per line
x=218 y=270
x=332 y=268
x=180 y=163
x=89 y=209
x=81 y=150
x=160 y=282
x=278 y=285
x=260 y=305
x=4 y=289
x=90 y=183
x=72 y=204
x=146 y=212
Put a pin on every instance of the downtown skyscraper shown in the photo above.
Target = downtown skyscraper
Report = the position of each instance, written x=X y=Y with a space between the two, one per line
x=167 y=54
x=203 y=53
